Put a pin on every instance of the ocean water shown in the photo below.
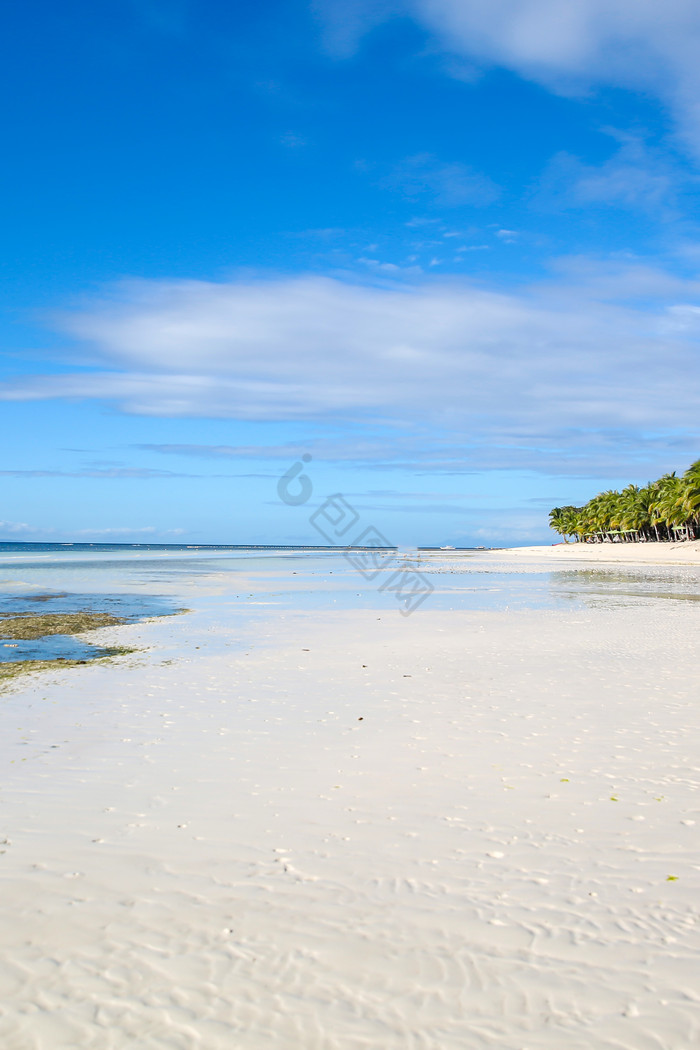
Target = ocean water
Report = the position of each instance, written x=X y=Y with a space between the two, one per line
x=135 y=581
x=309 y=577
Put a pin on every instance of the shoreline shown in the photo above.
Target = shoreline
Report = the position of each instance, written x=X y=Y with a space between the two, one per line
x=342 y=827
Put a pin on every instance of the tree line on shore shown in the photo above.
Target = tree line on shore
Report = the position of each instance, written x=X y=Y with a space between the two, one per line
x=663 y=511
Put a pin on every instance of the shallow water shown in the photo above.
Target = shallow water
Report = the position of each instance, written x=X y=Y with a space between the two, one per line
x=135 y=582
x=130 y=608
x=51 y=647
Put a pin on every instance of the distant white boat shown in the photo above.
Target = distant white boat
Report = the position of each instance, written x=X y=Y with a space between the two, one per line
x=447 y=548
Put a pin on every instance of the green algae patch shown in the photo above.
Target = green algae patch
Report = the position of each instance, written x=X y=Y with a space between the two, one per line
x=18 y=668
x=33 y=640
x=21 y=667
x=28 y=627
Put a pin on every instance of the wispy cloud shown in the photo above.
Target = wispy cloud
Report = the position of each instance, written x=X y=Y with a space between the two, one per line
x=141 y=530
x=444 y=184
x=536 y=370
x=112 y=472
x=15 y=527
x=568 y=451
x=635 y=178
x=568 y=47
x=293 y=141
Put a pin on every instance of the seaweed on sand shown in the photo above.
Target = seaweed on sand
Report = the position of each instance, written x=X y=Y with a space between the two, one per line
x=9 y=671
x=28 y=626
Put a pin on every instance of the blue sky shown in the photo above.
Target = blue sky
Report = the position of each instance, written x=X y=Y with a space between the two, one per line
x=448 y=249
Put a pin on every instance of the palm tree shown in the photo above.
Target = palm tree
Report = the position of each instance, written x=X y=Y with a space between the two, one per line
x=670 y=506
x=572 y=521
x=556 y=520
x=666 y=509
x=691 y=497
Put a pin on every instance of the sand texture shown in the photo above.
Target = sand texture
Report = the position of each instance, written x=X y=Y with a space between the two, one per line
x=687 y=553
x=350 y=830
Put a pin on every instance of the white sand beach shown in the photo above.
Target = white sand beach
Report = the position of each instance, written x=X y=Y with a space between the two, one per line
x=686 y=553
x=342 y=829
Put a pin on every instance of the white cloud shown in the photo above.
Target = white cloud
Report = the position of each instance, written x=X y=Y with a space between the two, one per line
x=535 y=372
x=567 y=46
